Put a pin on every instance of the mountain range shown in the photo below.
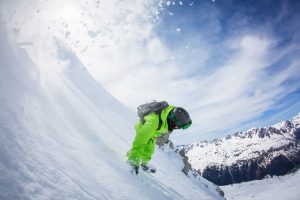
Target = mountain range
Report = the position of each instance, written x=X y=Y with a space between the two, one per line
x=249 y=155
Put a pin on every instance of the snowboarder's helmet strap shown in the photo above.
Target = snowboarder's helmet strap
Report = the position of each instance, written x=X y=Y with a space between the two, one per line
x=180 y=117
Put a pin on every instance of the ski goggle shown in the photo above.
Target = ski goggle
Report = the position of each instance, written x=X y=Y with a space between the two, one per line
x=178 y=123
x=185 y=126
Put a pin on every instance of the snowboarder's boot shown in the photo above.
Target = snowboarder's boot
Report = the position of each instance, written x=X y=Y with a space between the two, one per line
x=148 y=168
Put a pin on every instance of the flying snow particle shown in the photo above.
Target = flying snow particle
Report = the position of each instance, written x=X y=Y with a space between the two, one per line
x=178 y=29
x=160 y=4
x=180 y=2
x=168 y=3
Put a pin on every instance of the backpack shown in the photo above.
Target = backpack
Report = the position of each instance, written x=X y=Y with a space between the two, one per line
x=152 y=107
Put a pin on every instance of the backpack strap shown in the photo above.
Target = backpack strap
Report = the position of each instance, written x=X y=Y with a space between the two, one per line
x=159 y=123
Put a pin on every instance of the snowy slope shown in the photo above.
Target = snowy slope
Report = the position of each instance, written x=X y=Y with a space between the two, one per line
x=275 y=188
x=248 y=155
x=62 y=136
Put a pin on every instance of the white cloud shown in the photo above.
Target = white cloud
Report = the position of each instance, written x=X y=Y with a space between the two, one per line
x=157 y=52
x=242 y=89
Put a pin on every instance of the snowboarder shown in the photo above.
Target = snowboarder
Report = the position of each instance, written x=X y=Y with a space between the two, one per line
x=156 y=119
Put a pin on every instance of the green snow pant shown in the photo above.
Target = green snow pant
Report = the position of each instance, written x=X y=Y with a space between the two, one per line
x=143 y=145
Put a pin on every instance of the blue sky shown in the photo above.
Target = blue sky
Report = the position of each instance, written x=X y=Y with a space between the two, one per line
x=233 y=65
x=202 y=34
x=212 y=23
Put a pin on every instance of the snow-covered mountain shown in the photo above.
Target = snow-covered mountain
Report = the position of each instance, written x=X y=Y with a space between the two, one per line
x=249 y=155
x=62 y=136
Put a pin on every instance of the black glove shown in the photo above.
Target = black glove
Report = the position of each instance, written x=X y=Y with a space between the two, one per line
x=134 y=168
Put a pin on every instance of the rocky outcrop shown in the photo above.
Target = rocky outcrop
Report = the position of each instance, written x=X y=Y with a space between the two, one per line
x=187 y=166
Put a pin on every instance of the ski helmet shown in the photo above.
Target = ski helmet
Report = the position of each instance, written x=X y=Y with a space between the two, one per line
x=180 y=117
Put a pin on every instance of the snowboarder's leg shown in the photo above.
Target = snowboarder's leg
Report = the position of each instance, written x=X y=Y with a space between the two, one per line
x=138 y=146
x=148 y=151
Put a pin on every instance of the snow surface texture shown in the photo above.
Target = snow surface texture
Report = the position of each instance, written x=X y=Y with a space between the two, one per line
x=242 y=145
x=276 y=188
x=62 y=136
